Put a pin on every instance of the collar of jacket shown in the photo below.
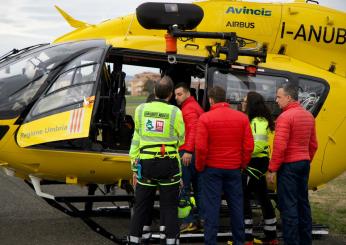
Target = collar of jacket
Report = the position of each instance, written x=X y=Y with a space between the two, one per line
x=291 y=105
x=160 y=100
x=188 y=100
x=219 y=105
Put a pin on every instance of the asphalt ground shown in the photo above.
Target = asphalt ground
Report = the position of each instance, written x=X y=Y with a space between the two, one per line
x=27 y=219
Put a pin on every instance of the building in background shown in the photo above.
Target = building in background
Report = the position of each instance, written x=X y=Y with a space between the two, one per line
x=142 y=84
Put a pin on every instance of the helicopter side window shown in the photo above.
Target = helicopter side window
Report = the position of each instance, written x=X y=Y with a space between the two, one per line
x=311 y=91
x=62 y=98
x=238 y=85
x=73 y=85
x=310 y=94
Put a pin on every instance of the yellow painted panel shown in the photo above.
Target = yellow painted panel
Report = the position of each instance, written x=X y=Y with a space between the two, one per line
x=257 y=21
x=316 y=36
x=71 y=124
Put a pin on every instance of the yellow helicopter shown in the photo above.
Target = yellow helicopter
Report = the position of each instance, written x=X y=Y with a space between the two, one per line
x=66 y=108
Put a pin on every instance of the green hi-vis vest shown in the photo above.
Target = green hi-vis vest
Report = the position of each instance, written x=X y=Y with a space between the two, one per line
x=156 y=123
x=260 y=132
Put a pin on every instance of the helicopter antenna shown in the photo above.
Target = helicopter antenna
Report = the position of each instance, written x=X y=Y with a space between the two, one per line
x=129 y=28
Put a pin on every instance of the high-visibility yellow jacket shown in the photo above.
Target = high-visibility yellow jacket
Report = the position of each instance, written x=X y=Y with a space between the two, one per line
x=157 y=123
x=260 y=132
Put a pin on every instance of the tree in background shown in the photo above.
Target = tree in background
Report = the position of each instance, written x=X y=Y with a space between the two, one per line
x=149 y=86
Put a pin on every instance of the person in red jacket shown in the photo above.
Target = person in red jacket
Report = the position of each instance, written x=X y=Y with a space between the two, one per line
x=294 y=147
x=191 y=111
x=224 y=144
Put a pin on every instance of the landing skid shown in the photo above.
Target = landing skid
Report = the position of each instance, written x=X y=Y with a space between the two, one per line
x=67 y=205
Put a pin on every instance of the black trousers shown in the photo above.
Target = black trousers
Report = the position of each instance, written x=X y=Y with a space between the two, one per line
x=258 y=186
x=159 y=172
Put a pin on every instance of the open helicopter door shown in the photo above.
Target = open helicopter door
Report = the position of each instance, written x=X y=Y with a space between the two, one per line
x=65 y=108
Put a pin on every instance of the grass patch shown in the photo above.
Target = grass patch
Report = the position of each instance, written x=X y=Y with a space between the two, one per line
x=132 y=102
x=328 y=205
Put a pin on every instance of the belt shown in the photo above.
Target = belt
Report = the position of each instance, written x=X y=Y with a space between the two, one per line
x=143 y=151
x=154 y=182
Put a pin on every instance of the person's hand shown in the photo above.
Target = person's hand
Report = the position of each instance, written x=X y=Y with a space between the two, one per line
x=186 y=158
x=134 y=179
x=271 y=176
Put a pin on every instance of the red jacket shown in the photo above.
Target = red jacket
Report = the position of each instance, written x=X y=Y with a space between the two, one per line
x=223 y=139
x=191 y=112
x=295 y=137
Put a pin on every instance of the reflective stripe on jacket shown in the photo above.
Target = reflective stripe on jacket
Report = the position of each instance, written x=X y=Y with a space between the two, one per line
x=157 y=123
x=260 y=131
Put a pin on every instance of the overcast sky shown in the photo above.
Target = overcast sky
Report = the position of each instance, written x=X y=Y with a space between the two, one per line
x=27 y=22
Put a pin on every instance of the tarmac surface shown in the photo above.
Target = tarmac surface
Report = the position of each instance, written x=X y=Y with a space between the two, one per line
x=27 y=219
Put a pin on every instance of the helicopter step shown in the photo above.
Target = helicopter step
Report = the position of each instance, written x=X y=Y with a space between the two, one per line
x=224 y=234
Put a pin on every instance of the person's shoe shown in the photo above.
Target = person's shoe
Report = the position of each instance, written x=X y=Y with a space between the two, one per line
x=266 y=241
x=271 y=242
x=200 y=225
x=246 y=243
x=185 y=227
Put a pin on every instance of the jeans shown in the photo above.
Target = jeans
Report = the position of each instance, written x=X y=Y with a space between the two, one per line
x=190 y=176
x=294 y=203
x=216 y=181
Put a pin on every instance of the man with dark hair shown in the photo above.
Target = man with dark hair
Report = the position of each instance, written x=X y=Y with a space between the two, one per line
x=217 y=94
x=191 y=112
x=295 y=145
x=159 y=132
x=290 y=89
x=224 y=145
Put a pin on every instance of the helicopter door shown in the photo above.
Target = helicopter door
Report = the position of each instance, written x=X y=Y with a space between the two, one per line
x=65 y=109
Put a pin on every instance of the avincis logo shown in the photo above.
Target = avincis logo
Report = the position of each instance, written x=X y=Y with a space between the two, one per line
x=245 y=10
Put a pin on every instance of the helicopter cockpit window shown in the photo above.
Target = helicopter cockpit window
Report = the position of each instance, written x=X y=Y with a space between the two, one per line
x=73 y=85
x=64 y=80
x=85 y=74
x=90 y=57
x=22 y=76
x=20 y=81
x=76 y=76
x=80 y=70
